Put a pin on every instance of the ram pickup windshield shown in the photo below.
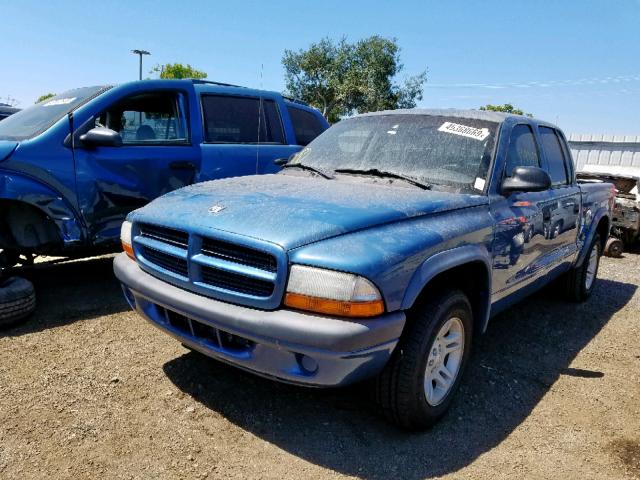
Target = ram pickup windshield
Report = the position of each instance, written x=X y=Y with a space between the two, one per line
x=37 y=118
x=431 y=150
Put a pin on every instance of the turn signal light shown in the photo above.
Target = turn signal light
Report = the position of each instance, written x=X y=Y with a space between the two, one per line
x=125 y=239
x=334 y=307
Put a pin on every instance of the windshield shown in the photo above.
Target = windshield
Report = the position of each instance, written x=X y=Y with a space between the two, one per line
x=439 y=150
x=36 y=119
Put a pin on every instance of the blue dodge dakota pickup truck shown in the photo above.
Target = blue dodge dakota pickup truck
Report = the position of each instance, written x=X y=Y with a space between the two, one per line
x=72 y=167
x=379 y=250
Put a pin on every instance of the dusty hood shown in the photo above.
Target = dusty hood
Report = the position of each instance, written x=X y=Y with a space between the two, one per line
x=291 y=210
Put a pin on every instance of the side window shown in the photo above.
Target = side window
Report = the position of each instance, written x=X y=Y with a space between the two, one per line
x=230 y=119
x=305 y=124
x=555 y=156
x=522 y=149
x=149 y=118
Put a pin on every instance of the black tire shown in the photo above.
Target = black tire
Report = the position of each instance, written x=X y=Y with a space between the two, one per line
x=575 y=280
x=399 y=388
x=9 y=258
x=17 y=301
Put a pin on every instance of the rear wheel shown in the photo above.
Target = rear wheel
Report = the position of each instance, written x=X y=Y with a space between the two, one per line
x=418 y=384
x=580 y=281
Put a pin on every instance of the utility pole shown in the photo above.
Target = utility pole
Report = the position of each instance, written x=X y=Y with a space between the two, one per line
x=140 y=53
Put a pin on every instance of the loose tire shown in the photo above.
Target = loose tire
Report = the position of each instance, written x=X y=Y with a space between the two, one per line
x=17 y=300
x=614 y=247
x=412 y=390
x=580 y=281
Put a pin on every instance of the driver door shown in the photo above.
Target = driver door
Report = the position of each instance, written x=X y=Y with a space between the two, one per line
x=156 y=157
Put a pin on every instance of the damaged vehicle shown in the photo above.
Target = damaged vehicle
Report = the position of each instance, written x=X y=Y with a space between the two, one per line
x=73 y=166
x=378 y=252
x=625 y=229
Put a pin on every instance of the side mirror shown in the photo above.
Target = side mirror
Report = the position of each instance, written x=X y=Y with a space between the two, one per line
x=101 y=137
x=281 y=161
x=527 y=179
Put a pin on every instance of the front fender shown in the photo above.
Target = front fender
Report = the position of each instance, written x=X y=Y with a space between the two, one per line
x=21 y=188
x=447 y=260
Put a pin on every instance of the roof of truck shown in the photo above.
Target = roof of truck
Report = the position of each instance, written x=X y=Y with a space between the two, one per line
x=487 y=115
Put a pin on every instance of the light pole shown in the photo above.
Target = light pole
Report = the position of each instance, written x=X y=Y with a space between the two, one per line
x=140 y=53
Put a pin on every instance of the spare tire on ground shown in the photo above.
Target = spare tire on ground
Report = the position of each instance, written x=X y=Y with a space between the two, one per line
x=17 y=300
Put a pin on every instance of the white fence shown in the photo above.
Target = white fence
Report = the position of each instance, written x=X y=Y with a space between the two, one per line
x=605 y=150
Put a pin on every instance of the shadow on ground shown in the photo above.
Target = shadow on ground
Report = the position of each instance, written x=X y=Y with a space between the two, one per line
x=69 y=292
x=524 y=352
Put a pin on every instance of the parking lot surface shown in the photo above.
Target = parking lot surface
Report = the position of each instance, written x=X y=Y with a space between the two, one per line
x=89 y=390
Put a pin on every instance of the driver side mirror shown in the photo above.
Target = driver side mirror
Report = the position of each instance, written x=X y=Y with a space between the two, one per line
x=526 y=179
x=101 y=137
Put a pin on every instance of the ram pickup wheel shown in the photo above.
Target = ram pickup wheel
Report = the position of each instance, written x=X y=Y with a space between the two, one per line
x=580 y=281
x=17 y=300
x=417 y=385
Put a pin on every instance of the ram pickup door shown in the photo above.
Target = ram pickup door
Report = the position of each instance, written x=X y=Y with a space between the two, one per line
x=72 y=167
x=379 y=250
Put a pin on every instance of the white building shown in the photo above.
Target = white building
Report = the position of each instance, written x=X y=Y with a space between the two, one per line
x=605 y=150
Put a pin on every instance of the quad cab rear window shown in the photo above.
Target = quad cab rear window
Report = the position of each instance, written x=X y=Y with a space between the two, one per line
x=234 y=119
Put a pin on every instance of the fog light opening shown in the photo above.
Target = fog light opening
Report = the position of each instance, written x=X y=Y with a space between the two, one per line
x=307 y=364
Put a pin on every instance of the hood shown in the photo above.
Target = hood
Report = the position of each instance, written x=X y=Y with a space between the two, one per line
x=294 y=210
x=6 y=148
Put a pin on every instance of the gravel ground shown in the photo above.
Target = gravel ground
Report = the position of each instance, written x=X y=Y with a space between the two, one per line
x=89 y=390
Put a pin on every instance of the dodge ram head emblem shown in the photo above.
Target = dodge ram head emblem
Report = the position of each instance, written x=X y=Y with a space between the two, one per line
x=216 y=209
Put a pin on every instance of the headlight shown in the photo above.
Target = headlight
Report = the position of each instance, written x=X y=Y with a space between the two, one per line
x=333 y=293
x=125 y=238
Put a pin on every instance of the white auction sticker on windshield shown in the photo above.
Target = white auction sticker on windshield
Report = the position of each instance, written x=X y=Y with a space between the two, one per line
x=59 y=101
x=465 y=131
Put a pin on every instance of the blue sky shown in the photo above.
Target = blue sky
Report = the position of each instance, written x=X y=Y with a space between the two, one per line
x=574 y=62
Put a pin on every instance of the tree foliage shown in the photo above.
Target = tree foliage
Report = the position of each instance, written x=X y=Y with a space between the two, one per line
x=342 y=78
x=177 y=70
x=506 y=108
x=44 y=97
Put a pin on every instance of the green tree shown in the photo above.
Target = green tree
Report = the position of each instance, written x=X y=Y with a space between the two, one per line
x=341 y=78
x=506 y=108
x=177 y=70
x=44 y=97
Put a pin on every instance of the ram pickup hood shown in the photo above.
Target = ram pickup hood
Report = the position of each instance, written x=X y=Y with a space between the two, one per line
x=6 y=148
x=294 y=210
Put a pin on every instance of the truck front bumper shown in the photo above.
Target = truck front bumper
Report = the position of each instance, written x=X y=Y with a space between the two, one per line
x=290 y=346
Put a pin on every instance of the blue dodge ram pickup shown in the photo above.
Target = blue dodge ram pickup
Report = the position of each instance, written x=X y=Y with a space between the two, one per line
x=73 y=166
x=379 y=250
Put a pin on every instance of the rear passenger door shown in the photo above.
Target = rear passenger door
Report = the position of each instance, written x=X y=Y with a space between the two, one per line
x=561 y=219
x=243 y=135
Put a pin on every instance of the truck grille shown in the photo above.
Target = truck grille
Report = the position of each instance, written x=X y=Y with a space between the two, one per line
x=214 y=267
x=239 y=254
x=166 y=261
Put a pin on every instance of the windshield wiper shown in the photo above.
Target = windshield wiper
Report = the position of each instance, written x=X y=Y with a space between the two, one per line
x=382 y=174
x=320 y=172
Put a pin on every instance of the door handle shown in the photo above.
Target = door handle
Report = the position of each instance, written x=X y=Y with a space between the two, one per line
x=182 y=165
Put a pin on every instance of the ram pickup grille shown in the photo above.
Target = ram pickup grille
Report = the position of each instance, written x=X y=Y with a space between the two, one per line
x=239 y=254
x=215 y=267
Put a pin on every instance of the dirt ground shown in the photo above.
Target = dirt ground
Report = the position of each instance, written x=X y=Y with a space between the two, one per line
x=89 y=390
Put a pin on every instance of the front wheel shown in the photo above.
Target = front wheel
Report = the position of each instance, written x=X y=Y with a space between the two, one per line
x=418 y=384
